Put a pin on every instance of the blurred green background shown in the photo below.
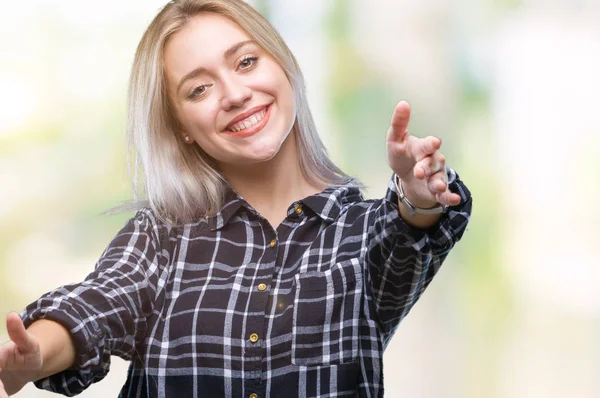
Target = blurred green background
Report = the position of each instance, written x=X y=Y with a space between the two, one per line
x=510 y=86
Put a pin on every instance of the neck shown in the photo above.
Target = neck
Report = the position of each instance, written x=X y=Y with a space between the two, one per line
x=271 y=186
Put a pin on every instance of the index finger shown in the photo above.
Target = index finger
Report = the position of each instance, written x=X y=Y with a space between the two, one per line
x=400 y=119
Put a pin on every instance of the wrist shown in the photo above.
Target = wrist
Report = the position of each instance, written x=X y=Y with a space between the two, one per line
x=412 y=209
x=411 y=189
x=55 y=347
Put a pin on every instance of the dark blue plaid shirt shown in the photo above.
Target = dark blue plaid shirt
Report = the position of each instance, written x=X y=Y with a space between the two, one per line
x=229 y=307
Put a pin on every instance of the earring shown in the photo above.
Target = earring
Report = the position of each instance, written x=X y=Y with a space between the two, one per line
x=187 y=139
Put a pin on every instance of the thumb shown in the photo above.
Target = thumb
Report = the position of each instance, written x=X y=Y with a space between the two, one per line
x=3 y=393
x=17 y=333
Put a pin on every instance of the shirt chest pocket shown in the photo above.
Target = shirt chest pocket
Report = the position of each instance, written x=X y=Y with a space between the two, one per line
x=326 y=314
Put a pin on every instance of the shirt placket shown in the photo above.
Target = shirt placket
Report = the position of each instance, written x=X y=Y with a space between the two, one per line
x=255 y=326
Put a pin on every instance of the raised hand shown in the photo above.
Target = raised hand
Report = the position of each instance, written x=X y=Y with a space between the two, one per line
x=20 y=358
x=418 y=162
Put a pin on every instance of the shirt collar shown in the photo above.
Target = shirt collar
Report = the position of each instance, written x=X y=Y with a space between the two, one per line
x=327 y=204
x=231 y=204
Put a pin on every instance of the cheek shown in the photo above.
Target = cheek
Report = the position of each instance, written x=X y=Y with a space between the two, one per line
x=287 y=98
x=288 y=105
x=273 y=79
x=198 y=118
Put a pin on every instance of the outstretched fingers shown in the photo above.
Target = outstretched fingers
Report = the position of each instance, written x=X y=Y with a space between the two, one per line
x=430 y=165
x=438 y=186
x=423 y=147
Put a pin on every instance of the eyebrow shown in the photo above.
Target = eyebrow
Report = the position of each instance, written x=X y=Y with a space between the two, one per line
x=228 y=53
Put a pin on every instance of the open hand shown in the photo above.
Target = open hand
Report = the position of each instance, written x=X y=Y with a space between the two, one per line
x=418 y=162
x=20 y=358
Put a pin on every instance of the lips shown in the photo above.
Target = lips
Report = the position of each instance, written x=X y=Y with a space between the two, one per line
x=245 y=118
x=250 y=122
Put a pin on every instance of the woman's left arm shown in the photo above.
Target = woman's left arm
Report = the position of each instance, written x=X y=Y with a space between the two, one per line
x=405 y=249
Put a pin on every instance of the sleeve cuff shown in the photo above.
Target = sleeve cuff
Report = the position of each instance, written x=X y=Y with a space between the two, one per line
x=442 y=236
x=90 y=365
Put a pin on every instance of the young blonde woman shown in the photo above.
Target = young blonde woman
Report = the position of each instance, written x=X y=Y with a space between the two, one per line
x=254 y=268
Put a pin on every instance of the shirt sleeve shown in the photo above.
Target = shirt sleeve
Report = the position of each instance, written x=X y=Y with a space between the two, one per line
x=106 y=313
x=402 y=260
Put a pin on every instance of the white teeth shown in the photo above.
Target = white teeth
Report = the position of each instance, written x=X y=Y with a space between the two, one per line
x=249 y=121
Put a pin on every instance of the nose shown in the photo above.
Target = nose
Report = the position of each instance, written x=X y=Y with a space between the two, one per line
x=235 y=93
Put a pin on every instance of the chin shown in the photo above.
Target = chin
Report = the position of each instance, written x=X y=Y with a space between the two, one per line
x=263 y=156
x=265 y=150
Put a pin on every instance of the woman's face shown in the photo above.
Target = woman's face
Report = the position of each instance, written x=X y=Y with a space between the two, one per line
x=230 y=95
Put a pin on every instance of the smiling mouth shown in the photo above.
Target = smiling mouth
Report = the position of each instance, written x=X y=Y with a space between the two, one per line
x=250 y=125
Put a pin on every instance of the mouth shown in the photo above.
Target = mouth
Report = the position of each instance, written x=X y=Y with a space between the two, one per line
x=251 y=124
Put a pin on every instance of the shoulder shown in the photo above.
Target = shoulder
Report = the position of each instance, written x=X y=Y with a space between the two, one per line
x=147 y=219
x=146 y=222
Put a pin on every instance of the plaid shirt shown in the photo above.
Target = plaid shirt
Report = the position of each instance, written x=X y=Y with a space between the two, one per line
x=229 y=307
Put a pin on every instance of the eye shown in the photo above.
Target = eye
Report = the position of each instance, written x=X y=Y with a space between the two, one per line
x=197 y=91
x=247 y=62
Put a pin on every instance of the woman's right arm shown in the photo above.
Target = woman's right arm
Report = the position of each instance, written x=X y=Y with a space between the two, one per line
x=45 y=348
x=106 y=313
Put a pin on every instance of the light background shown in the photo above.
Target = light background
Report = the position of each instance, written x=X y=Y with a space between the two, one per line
x=511 y=86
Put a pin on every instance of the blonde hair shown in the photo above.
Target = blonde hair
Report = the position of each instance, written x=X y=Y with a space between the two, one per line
x=180 y=182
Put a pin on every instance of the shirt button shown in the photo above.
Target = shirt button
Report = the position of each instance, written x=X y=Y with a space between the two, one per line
x=262 y=287
x=273 y=243
x=253 y=395
x=253 y=337
x=298 y=209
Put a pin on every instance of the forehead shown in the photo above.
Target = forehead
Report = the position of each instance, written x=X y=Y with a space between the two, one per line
x=201 y=42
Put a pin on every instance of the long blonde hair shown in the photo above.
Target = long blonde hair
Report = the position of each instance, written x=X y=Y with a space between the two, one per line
x=180 y=182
